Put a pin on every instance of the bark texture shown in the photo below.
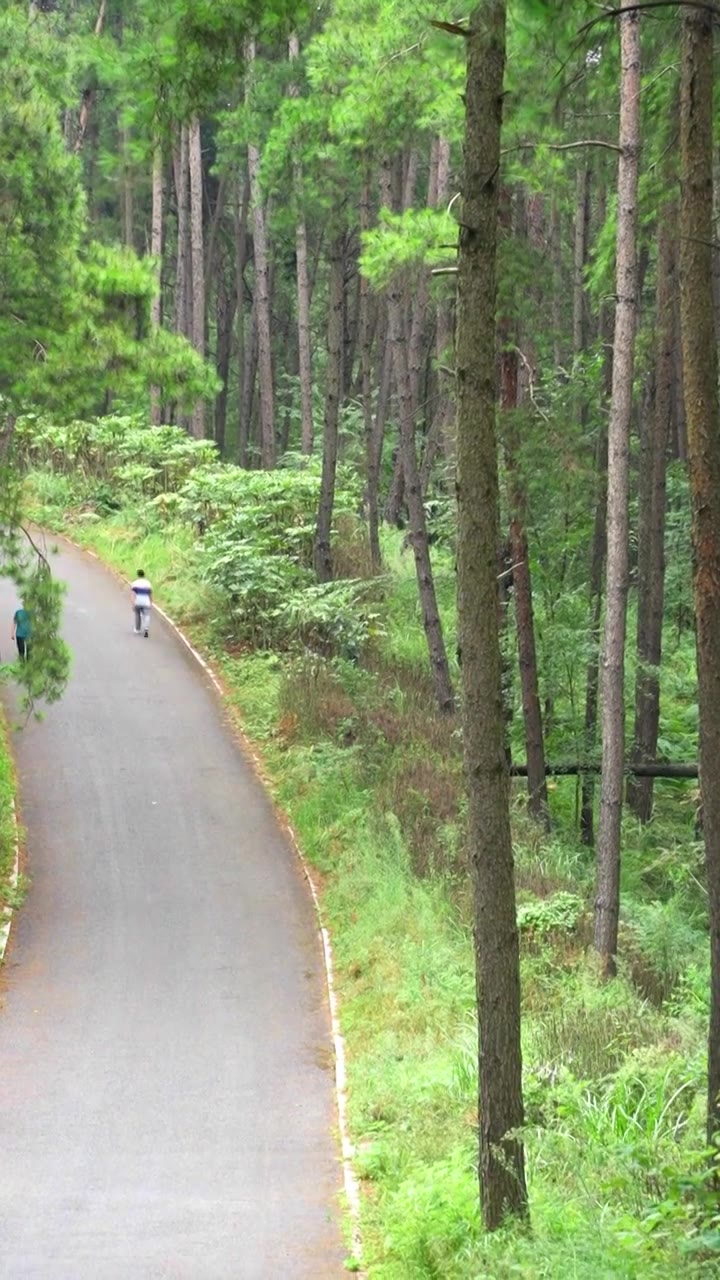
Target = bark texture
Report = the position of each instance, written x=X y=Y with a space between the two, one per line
x=444 y=336
x=262 y=299
x=197 y=255
x=225 y=304
x=654 y=442
x=303 y=288
x=213 y=231
x=597 y=568
x=441 y=432
x=242 y=202
x=440 y=669
x=580 y=250
x=156 y=248
x=128 y=191
x=703 y=440
x=182 y=187
x=333 y=396
x=592 y=676
x=502 y=1167
x=607 y=901
x=522 y=592
x=374 y=424
x=248 y=396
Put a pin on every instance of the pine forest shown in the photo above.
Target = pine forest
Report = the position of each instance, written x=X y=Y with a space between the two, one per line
x=385 y=334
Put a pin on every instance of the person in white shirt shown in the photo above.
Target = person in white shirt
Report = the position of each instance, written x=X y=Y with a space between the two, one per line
x=142 y=602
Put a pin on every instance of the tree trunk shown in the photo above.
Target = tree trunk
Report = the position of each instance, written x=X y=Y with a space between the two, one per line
x=211 y=248
x=597 y=567
x=375 y=453
x=156 y=248
x=248 y=389
x=681 y=440
x=444 y=416
x=607 y=903
x=372 y=455
x=651 y=525
x=393 y=195
x=502 y=1164
x=304 y=337
x=582 y=229
x=716 y=246
x=522 y=592
x=182 y=183
x=527 y=661
x=333 y=397
x=241 y=213
x=351 y=311
x=532 y=227
x=128 y=194
x=411 y=166
x=702 y=412
x=417 y=308
x=303 y=287
x=87 y=100
x=226 y=302
x=262 y=299
x=417 y=298
x=396 y=492
x=416 y=508
x=197 y=250
x=434 y=441
x=592 y=679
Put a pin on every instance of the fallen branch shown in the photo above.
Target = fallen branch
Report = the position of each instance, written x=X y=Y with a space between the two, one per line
x=653 y=769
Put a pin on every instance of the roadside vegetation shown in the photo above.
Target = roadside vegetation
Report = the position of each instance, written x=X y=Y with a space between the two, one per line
x=331 y=685
x=11 y=889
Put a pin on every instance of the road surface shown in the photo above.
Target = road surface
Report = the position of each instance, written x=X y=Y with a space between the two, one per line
x=166 y=1092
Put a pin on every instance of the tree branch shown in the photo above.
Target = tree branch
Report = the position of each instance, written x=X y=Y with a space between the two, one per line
x=452 y=27
x=562 y=146
x=40 y=554
x=648 y=5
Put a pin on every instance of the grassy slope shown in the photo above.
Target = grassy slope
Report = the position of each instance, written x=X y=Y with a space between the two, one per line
x=9 y=895
x=613 y=1080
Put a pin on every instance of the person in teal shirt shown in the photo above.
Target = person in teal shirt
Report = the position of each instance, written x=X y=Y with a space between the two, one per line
x=22 y=633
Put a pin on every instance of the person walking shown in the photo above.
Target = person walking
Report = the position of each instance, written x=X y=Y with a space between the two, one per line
x=142 y=603
x=22 y=633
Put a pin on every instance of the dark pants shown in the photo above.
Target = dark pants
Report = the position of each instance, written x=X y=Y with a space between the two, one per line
x=23 y=647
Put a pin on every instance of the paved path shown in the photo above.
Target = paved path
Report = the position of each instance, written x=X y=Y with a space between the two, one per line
x=166 y=1101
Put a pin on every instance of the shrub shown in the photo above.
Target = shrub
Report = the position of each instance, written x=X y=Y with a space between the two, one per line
x=108 y=448
x=558 y=914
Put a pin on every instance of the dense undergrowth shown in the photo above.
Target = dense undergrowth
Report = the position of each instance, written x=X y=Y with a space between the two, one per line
x=331 y=684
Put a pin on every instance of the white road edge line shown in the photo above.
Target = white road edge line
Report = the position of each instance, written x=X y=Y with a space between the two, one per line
x=6 y=918
x=350 y=1182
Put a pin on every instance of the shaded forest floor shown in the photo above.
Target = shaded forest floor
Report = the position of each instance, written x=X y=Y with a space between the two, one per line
x=370 y=778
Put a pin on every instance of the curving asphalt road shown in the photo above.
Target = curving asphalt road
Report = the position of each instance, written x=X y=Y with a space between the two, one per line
x=166 y=1093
